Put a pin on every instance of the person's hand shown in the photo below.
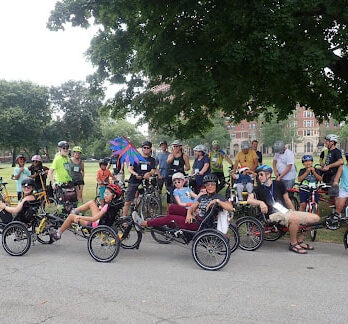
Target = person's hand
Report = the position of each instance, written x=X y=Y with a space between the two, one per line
x=2 y=205
x=212 y=203
x=264 y=208
x=160 y=177
x=335 y=183
x=189 y=219
x=312 y=169
x=278 y=178
x=77 y=219
x=147 y=176
x=325 y=168
x=138 y=176
x=54 y=186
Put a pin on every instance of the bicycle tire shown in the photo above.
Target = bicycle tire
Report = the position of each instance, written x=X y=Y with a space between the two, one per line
x=159 y=237
x=294 y=201
x=272 y=233
x=103 y=244
x=345 y=239
x=313 y=233
x=233 y=237
x=19 y=233
x=52 y=208
x=44 y=237
x=251 y=233
x=210 y=250
x=150 y=207
x=131 y=238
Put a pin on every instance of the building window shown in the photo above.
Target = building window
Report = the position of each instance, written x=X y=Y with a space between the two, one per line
x=242 y=126
x=245 y=135
x=308 y=123
x=233 y=135
x=326 y=124
x=309 y=147
x=308 y=132
x=308 y=114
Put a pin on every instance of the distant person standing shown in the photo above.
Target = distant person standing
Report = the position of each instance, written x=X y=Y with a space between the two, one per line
x=254 y=145
x=77 y=171
x=20 y=173
x=37 y=168
x=117 y=167
x=284 y=164
x=163 y=167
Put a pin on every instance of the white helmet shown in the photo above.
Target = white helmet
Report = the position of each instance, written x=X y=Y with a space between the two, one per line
x=200 y=147
x=245 y=145
x=332 y=138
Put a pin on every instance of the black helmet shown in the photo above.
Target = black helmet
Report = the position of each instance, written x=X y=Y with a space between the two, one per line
x=307 y=157
x=28 y=182
x=63 y=144
x=210 y=178
x=146 y=143
x=103 y=161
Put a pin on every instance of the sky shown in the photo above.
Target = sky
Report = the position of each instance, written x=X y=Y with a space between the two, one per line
x=31 y=52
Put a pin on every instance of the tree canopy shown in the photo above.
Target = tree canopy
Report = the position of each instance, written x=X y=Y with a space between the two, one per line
x=235 y=56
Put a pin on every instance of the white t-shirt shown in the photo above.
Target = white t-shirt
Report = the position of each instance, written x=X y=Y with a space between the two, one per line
x=283 y=160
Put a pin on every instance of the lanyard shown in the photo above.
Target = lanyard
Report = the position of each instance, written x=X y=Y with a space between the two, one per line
x=271 y=192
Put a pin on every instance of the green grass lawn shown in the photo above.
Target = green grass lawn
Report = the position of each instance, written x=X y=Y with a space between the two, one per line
x=90 y=187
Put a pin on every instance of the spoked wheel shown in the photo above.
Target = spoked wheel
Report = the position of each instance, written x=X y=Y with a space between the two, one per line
x=131 y=238
x=103 y=244
x=44 y=236
x=16 y=239
x=345 y=239
x=313 y=233
x=50 y=206
x=250 y=232
x=150 y=207
x=161 y=236
x=272 y=233
x=233 y=237
x=210 y=250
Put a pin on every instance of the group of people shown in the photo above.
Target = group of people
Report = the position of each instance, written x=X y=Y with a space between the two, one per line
x=190 y=206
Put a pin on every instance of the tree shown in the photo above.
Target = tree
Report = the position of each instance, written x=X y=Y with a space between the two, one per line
x=239 y=57
x=77 y=110
x=25 y=111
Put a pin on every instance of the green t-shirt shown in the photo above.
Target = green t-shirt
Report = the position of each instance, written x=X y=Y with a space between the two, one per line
x=61 y=164
x=216 y=161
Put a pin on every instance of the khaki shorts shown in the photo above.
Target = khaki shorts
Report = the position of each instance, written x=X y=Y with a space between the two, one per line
x=283 y=219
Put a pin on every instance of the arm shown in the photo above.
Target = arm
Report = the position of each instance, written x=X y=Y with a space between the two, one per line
x=227 y=158
x=170 y=158
x=91 y=218
x=288 y=202
x=20 y=170
x=317 y=176
x=336 y=164
x=83 y=169
x=50 y=175
x=287 y=169
x=275 y=168
x=190 y=211
x=301 y=177
x=187 y=162
x=204 y=169
x=235 y=166
x=338 y=176
x=18 y=208
x=254 y=202
x=227 y=205
x=256 y=163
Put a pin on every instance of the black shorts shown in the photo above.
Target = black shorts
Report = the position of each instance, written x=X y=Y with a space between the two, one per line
x=79 y=183
x=131 y=191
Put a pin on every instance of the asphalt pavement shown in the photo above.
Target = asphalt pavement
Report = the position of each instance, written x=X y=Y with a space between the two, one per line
x=61 y=283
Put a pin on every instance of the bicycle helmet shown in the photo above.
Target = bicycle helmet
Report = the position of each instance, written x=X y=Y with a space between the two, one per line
x=200 y=148
x=163 y=142
x=115 y=188
x=332 y=138
x=245 y=145
x=77 y=149
x=215 y=142
x=102 y=161
x=63 y=144
x=20 y=156
x=36 y=158
x=210 y=178
x=177 y=143
x=28 y=182
x=146 y=143
x=264 y=168
x=307 y=158
x=278 y=146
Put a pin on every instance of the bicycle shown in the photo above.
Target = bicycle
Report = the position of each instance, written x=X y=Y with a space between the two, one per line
x=48 y=204
x=5 y=196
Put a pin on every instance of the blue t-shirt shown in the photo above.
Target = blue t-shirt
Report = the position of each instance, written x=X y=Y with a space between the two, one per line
x=161 y=161
x=344 y=179
x=184 y=195
x=25 y=174
x=198 y=166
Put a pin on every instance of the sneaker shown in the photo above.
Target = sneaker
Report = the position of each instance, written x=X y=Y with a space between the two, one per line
x=137 y=220
x=55 y=235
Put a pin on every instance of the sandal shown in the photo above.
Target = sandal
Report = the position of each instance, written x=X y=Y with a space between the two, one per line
x=297 y=248
x=306 y=247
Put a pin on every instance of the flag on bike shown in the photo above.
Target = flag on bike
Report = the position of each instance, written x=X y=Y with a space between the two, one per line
x=126 y=151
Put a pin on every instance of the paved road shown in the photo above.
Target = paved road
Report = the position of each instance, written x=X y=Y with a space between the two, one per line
x=61 y=283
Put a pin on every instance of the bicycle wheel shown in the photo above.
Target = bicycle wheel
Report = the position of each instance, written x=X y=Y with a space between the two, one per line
x=210 y=250
x=131 y=238
x=272 y=233
x=44 y=236
x=294 y=201
x=313 y=233
x=16 y=239
x=345 y=239
x=161 y=236
x=103 y=244
x=250 y=232
x=50 y=207
x=150 y=207
x=233 y=237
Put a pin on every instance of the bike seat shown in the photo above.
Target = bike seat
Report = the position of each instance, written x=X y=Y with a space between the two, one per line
x=4 y=183
x=242 y=202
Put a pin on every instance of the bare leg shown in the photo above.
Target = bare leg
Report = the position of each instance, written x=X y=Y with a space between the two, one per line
x=340 y=203
x=125 y=210
x=303 y=206
x=79 y=191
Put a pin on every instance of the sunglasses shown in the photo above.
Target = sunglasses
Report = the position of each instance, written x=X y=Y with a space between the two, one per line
x=65 y=148
x=21 y=159
x=27 y=186
x=177 y=181
x=108 y=193
x=146 y=147
x=262 y=174
x=176 y=145
x=210 y=184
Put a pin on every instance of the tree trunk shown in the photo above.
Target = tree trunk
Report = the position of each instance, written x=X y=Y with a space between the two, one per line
x=14 y=152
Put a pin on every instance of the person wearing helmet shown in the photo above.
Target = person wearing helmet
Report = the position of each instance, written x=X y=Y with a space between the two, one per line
x=23 y=210
x=333 y=159
x=163 y=168
x=177 y=161
x=105 y=216
x=273 y=199
x=189 y=220
x=217 y=156
x=201 y=166
x=284 y=164
x=246 y=157
x=244 y=181
x=20 y=173
x=37 y=168
x=308 y=176
x=183 y=196
x=103 y=178
x=60 y=166
x=139 y=170
x=77 y=171
x=341 y=180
